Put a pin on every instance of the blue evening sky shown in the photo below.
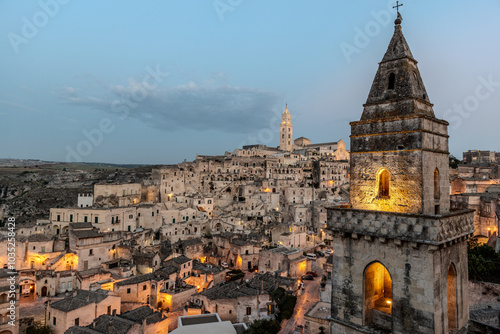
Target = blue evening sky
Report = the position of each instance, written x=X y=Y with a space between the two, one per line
x=76 y=75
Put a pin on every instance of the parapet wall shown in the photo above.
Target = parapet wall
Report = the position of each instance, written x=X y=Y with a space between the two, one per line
x=428 y=229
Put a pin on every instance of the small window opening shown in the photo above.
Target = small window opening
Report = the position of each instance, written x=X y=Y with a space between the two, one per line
x=383 y=184
x=392 y=80
x=437 y=193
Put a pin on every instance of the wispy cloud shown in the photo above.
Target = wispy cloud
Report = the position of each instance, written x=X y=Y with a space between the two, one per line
x=188 y=106
x=20 y=106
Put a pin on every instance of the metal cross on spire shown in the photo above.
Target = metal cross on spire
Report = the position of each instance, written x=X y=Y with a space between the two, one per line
x=397 y=6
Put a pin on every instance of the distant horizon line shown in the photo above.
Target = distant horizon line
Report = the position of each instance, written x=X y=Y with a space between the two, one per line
x=151 y=164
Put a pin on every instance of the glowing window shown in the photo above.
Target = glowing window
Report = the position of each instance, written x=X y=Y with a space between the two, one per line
x=383 y=183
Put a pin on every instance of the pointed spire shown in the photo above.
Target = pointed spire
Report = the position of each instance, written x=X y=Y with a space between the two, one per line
x=398 y=88
x=398 y=48
x=286 y=109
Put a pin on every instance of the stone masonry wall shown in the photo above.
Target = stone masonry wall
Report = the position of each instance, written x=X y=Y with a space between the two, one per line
x=405 y=181
x=411 y=148
x=418 y=274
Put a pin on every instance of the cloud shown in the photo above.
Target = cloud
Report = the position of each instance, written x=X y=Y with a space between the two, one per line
x=189 y=106
x=20 y=106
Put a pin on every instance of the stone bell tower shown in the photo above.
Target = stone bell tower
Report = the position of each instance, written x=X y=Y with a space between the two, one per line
x=286 y=131
x=400 y=255
x=399 y=149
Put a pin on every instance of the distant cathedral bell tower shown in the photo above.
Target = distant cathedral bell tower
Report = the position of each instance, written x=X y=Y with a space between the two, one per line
x=286 y=131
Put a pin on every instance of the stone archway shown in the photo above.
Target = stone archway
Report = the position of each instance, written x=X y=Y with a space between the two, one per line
x=452 y=297
x=377 y=299
x=6 y=331
x=44 y=291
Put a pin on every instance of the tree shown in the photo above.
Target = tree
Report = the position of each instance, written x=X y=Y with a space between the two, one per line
x=286 y=309
x=263 y=327
x=278 y=295
x=286 y=303
x=453 y=162
x=484 y=262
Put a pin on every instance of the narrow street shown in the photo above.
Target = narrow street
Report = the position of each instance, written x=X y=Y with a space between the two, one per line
x=33 y=309
x=305 y=300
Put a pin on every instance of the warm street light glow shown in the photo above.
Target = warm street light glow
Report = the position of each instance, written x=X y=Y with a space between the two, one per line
x=239 y=262
x=303 y=265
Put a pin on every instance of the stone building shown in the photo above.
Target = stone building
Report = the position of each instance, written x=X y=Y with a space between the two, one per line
x=293 y=240
x=253 y=151
x=460 y=185
x=298 y=195
x=29 y=228
x=91 y=247
x=486 y=206
x=330 y=174
x=476 y=157
x=484 y=171
x=207 y=324
x=335 y=150
x=85 y=200
x=140 y=289
x=146 y=261
x=191 y=248
x=301 y=142
x=182 y=263
x=289 y=261
x=80 y=309
x=141 y=320
x=118 y=194
x=51 y=283
x=95 y=279
x=205 y=275
x=400 y=255
x=244 y=301
x=9 y=303
x=317 y=317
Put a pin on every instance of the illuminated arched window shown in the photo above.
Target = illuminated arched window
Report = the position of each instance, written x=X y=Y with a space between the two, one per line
x=378 y=294
x=392 y=80
x=383 y=183
x=436 y=184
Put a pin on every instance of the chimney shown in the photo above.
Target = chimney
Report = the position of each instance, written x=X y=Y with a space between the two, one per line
x=110 y=327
